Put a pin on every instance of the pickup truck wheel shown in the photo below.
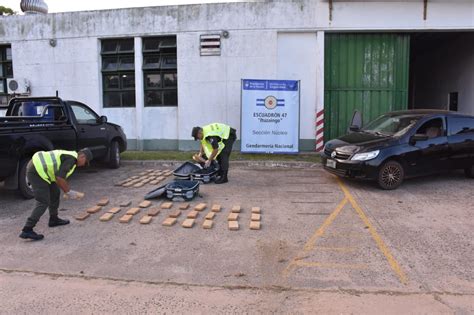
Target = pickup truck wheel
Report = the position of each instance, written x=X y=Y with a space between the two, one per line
x=114 y=155
x=469 y=172
x=391 y=175
x=24 y=185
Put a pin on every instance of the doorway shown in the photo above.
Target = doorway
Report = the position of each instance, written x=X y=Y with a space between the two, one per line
x=442 y=71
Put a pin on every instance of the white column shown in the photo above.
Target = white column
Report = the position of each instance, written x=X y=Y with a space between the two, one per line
x=139 y=92
x=319 y=115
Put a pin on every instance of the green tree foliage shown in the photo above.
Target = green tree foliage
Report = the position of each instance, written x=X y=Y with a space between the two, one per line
x=6 y=11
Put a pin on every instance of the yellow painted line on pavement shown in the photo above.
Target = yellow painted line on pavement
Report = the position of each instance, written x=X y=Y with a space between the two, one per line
x=346 y=235
x=319 y=232
x=331 y=265
x=337 y=249
x=312 y=241
x=380 y=243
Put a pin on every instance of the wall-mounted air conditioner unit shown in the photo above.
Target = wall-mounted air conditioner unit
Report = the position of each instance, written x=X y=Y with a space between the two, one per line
x=18 y=86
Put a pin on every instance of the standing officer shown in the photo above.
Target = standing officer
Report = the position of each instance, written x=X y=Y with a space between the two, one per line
x=47 y=172
x=216 y=143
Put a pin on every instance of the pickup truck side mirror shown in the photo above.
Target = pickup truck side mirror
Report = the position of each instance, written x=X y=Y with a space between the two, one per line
x=418 y=137
x=103 y=119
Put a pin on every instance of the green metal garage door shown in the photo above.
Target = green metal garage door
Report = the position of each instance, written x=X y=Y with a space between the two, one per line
x=365 y=72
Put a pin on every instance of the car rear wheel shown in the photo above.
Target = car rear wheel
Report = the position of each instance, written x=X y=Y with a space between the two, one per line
x=114 y=157
x=391 y=175
x=24 y=185
x=469 y=172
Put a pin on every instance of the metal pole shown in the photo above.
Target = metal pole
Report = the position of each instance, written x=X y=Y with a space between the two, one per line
x=425 y=9
x=330 y=10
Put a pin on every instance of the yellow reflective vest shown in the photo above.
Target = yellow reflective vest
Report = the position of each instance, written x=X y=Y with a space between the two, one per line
x=48 y=163
x=214 y=130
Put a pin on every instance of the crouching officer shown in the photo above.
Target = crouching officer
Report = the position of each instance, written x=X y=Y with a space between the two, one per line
x=47 y=172
x=216 y=143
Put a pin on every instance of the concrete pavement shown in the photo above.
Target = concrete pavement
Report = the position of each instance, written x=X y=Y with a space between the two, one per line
x=332 y=238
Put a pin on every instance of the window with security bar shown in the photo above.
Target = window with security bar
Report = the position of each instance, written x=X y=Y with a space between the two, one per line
x=118 y=72
x=6 y=71
x=160 y=71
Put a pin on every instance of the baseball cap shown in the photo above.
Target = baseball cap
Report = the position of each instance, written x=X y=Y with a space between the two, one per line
x=88 y=154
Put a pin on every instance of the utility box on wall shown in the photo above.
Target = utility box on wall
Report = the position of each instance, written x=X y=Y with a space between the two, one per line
x=18 y=86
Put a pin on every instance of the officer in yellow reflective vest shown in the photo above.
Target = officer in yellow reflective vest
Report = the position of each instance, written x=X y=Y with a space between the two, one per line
x=216 y=144
x=47 y=172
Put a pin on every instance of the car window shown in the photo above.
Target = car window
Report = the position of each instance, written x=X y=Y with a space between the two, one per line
x=460 y=125
x=396 y=125
x=49 y=111
x=54 y=113
x=83 y=114
x=432 y=128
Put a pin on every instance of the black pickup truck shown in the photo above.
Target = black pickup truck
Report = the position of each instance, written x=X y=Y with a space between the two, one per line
x=46 y=123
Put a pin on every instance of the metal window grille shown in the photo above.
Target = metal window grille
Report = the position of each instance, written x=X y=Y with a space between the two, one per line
x=210 y=45
x=118 y=72
x=160 y=71
x=6 y=71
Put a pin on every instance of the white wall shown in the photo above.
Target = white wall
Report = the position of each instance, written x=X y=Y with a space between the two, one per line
x=275 y=14
x=398 y=15
x=209 y=86
x=272 y=39
x=297 y=53
x=71 y=68
x=446 y=67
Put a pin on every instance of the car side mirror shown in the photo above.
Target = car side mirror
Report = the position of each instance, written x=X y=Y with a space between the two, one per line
x=103 y=119
x=354 y=128
x=356 y=122
x=418 y=137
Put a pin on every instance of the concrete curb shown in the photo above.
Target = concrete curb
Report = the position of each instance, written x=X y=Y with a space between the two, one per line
x=269 y=164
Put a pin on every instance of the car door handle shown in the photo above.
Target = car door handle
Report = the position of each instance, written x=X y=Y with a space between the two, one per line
x=103 y=128
x=83 y=130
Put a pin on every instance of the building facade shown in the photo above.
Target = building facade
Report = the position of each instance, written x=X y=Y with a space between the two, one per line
x=159 y=71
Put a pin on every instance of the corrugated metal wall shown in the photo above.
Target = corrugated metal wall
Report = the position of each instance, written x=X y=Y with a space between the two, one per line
x=367 y=72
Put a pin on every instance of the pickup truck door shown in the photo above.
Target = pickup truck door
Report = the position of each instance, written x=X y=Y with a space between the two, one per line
x=461 y=141
x=91 y=131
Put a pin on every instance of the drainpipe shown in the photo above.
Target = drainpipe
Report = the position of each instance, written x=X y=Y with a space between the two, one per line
x=425 y=9
x=330 y=10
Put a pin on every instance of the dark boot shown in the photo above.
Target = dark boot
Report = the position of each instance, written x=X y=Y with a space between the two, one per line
x=56 y=221
x=219 y=174
x=28 y=233
x=223 y=179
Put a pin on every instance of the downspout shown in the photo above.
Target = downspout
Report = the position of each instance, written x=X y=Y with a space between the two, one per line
x=425 y=9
